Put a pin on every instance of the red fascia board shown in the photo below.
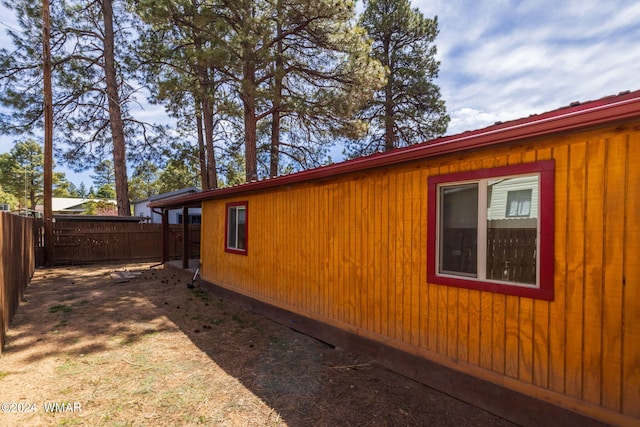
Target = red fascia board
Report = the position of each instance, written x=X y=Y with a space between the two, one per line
x=586 y=115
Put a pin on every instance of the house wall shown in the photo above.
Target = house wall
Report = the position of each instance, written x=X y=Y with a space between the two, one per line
x=351 y=252
x=498 y=205
x=142 y=209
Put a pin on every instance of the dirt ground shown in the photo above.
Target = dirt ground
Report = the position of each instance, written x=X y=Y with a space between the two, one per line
x=88 y=349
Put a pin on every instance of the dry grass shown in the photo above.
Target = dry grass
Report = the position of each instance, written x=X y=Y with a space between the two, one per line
x=152 y=352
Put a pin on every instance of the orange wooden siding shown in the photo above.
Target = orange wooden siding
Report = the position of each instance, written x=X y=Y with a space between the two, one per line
x=351 y=251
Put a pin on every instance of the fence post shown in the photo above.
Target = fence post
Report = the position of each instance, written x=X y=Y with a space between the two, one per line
x=185 y=237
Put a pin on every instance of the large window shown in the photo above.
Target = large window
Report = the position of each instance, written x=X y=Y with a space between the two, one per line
x=236 y=233
x=492 y=229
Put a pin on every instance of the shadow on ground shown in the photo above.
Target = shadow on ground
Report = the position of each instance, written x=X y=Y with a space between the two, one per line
x=181 y=356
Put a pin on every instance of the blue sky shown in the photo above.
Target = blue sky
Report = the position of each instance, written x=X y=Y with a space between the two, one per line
x=503 y=60
x=507 y=59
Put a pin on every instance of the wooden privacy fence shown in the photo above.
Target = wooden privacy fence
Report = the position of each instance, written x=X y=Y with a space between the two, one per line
x=78 y=242
x=17 y=264
x=511 y=253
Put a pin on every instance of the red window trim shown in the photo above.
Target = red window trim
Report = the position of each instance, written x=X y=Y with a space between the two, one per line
x=246 y=228
x=546 y=170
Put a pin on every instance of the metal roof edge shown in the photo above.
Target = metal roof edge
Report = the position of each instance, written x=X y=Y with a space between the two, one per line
x=610 y=109
x=168 y=195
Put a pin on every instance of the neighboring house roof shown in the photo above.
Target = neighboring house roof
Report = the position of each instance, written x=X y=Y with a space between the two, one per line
x=624 y=106
x=169 y=195
x=71 y=204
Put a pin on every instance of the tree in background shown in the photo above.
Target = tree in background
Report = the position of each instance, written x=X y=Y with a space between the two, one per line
x=176 y=175
x=9 y=199
x=409 y=108
x=105 y=180
x=106 y=192
x=149 y=180
x=179 y=56
x=144 y=181
x=22 y=172
x=104 y=174
x=258 y=87
x=82 y=190
x=232 y=169
x=322 y=73
x=291 y=55
x=63 y=187
x=282 y=77
x=100 y=207
x=93 y=92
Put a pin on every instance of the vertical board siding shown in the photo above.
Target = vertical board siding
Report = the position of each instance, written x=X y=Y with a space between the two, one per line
x=614 y=251
x=630 y=371
x=351 y=251
x=433 y=306
x=574 y=287
x=541 y=333
x=557 y=311
x=594 y=236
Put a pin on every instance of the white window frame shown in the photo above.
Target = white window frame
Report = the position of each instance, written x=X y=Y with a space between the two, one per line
x=238 y=206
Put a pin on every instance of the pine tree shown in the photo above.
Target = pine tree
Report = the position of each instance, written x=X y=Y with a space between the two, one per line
x=181 y=60
x=82 y=190
x=22 y=172
x=62 y=187
x=299 y=59
x=322 y=74
x=409 y=108
x=144 y=181
x=177 y=175
x=104 y=174
x=9 y=199
x=91 y=84
x=292 y=71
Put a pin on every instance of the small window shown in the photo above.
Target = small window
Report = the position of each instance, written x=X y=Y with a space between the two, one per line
x=492 y=229
x=236 y=233
x=519 y=204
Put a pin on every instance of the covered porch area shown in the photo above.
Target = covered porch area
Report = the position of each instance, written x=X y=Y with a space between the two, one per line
x=190 y=254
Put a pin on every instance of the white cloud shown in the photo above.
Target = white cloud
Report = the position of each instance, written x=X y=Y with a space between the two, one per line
x=466 y=119
x=509 y=59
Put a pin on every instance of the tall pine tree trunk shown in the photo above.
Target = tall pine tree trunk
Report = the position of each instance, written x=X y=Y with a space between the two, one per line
x=115 y=113
x=277 y=98
x=207 y=117
x=248 y=95
x=389 y=137
x=204 y=177
x=249 y=106
x=207 y=110
x=275 y=140
x=250 y=139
